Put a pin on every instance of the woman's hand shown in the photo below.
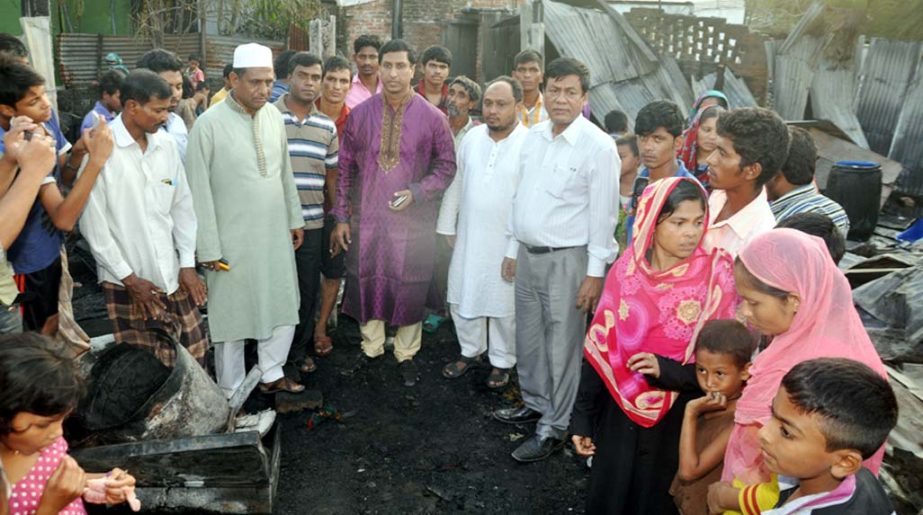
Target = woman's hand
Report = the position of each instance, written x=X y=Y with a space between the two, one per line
x=583 y=445
x=65 y=484
x=645 y=363
x=118 y=484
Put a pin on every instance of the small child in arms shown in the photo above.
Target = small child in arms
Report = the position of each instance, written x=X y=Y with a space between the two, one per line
x=829 y=415
x=722 y=362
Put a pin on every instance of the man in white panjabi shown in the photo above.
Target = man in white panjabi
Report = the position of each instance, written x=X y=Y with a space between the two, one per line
x=474 y=216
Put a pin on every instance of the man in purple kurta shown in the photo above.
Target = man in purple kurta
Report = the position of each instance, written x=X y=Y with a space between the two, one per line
x=396 y=158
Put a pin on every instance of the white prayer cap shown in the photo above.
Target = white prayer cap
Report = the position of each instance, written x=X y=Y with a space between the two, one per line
x=252 y=55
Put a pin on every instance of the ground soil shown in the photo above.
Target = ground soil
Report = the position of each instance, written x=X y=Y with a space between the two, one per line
x=433 y=448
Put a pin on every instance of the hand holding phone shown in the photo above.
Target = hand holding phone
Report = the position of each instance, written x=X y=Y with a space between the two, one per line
x=401 y=200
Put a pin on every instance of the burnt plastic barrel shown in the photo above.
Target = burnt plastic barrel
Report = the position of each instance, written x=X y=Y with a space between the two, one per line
x=856 y=185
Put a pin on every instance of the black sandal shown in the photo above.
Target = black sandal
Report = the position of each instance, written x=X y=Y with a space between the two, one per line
x=498 y=378
x=460 y=366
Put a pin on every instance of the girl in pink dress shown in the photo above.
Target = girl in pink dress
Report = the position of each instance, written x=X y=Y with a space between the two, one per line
x=41 y=386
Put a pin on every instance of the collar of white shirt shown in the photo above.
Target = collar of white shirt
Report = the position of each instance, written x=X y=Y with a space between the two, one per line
x=123 y=138
x=744 y=220
x=571 y=134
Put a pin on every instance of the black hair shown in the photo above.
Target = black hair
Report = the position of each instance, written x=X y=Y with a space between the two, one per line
x=15 y=80
x=188 y=89
x=728 y=337
x=759 y=137
x=202 y=86
x=336 y=63
x=515 y=85
x=110 y=82
x=437 y=53
x=564 y=66
x=757 y=284
x=159 y=60
x=711 y=112
x=857 y=407
x=36 y=376
x=226 y=72
x=471 y=87
x=528 y=56
x=366 y=40
x=305 y=59
x=660 y=113
x=142 y=85
x=194 y=57
x=802 y=155
x=820 y=225
x=280 y=64
x=616 y=122
x=397 y=45
x=685 y=190
x=10 y=44
x=631 y=141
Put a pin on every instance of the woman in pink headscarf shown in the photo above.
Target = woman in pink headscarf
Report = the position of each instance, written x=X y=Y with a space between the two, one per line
x=634 y=386
x=793 y=293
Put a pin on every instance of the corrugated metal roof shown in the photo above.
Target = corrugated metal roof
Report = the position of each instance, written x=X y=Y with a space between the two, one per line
x=883 y=80
x=735 y=88
x=907 y=145
x=832 y=98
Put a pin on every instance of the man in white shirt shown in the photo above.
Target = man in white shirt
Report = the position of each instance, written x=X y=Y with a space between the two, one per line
x=141 y=227
x=752 y=146
x=563 y=218
x=170 y=68
x=474 y=217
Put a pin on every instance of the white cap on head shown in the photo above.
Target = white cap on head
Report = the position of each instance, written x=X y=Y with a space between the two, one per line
x=252 y=55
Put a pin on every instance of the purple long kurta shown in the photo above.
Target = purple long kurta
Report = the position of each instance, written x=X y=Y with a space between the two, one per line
x=389 y=264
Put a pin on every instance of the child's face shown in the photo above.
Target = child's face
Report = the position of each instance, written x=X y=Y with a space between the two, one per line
x=793 y=444
x=35 y=105
x=32 y=433
x=719 y=372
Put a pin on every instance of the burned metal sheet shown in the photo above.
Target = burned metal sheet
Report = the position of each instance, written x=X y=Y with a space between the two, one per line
x=886 y=72
x=906 y=147
x=896 y=300
x=833 y=93
x=794 y=64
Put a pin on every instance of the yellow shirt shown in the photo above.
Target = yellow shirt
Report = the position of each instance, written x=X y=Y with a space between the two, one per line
x=218 y=97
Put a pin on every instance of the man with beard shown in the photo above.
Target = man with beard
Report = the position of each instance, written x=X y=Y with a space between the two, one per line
x=141 y=227
x=249 y=219
x=366 y=82
x=312 y=147
x=437 y=63
x=397 y=158
x=170 y=68
x=476 y=208
x=464 y=95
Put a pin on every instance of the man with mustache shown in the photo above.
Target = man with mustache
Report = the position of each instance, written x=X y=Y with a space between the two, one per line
x=365 y=83
x=397 y=158
x=141 y=227
x=170 y=68
x=249 y=224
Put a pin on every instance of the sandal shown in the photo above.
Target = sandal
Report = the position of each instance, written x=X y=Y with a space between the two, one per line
x=307 y=366
x=432 y=323
x=323 y=345
x=283 y=384
x=498 y=378
x=460 y=366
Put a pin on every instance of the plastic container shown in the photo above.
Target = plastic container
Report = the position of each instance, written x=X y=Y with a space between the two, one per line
x=856 y=185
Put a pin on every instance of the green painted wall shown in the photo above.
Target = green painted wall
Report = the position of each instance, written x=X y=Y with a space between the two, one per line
x=9 y=16
x=93 y=16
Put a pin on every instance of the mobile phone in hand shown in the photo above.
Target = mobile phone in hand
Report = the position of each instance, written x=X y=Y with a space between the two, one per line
x=398 y=201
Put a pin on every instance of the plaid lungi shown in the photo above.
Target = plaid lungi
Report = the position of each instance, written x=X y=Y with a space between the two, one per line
x=181 y=321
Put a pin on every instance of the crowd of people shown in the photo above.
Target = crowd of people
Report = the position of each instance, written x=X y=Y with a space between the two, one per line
x=641 y=284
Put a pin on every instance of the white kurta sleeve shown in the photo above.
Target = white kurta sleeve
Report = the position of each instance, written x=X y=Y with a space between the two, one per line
x=451 y=199
x=198 y=171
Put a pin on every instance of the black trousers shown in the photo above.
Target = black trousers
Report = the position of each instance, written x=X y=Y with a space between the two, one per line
x=308 y=263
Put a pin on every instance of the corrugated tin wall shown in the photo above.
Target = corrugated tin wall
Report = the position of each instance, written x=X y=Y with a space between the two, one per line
x=80 y=55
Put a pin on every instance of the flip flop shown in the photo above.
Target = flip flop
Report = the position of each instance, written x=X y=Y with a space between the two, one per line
x=432 y=322
x=498 y=378
x=283 y=384
x=323 y=345
x=460 y=367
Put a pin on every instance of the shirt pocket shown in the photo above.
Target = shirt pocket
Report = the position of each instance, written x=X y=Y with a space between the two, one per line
x=561 y=177
x=162 y=193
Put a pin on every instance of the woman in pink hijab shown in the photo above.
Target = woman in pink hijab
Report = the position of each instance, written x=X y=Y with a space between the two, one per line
x=793 y=293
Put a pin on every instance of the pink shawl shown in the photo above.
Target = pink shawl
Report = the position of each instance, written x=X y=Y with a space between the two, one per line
x=826 y=325
x=644 y=310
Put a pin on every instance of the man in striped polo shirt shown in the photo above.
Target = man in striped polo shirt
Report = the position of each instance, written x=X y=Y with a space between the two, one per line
x=313 y=147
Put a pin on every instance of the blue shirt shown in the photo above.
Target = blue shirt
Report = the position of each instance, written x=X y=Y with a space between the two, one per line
x=279 y=88
x=99 y=109
x=39 y=243
x=645 y=175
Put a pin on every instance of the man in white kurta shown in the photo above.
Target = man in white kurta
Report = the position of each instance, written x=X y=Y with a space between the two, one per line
x=474 y=212
x=249 y=214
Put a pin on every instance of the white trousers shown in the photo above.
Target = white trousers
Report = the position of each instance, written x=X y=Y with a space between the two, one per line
x=271 y=352
x=475 y=333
